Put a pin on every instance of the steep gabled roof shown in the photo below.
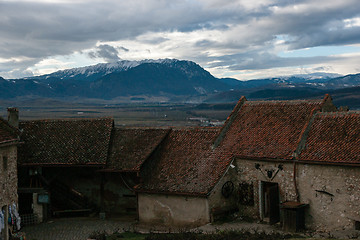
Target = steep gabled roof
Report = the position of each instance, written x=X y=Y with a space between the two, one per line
x=8 y=134
x=185 y=163
x=333 y=138
x=267 y=129
x=130 y=147
x=65 y=142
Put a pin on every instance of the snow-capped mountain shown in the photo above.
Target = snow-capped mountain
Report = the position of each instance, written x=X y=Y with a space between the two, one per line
x=91 y=73
x=163 y=77
x=170 y=79
x=313 y=76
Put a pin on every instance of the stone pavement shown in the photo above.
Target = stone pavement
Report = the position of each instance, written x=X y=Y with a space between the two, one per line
x=74 y=228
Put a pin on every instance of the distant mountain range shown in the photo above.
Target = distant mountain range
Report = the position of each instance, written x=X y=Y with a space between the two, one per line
x=168 y=77
x=173 y=80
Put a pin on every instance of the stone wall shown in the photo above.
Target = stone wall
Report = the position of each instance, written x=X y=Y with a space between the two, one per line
x=333 y=195
x=173 y=210
x=217 y=201
x=247 y=173
x=332 y=192
x=8 y=176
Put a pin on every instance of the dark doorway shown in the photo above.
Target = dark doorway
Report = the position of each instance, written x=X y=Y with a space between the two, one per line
x=25 y=203
x=271 y=202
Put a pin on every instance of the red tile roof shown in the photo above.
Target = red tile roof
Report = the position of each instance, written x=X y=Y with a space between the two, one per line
x=130 y=147
x=8 y=134
x=185 y=163
x=333 y=138
x=65 y=142
x=268 y=129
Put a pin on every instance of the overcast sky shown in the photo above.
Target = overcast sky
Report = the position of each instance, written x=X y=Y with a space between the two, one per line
x=244 y=39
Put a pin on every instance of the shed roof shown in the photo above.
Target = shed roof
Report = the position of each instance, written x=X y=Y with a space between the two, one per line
x=65 y=141
x=185 y=163
x=333 y=138
x=130 y=147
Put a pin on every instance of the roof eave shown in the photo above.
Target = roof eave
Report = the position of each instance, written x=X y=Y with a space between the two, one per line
x=10 y=142
x=60 y=165
x=111 y=170
x=189 y=194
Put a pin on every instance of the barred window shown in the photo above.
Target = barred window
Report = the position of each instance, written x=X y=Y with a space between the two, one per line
x=246 y=194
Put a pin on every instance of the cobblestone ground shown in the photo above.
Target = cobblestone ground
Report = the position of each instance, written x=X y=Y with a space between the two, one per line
x=74 y=228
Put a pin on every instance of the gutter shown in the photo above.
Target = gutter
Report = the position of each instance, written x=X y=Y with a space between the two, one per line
x=310 y=162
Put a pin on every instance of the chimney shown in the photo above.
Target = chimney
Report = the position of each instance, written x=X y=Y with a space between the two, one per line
x=13 y=116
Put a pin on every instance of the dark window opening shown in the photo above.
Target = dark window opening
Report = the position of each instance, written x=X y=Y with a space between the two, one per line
x=5 y=163
x=357 y=225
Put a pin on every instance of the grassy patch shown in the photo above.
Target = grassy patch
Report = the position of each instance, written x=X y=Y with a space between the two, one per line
x=117 y=236
x=225 y=235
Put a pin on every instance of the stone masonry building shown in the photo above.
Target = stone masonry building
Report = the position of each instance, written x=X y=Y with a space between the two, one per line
x=269 y=161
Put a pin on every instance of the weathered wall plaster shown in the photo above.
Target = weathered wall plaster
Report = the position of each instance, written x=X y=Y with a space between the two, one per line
x=332 y=192
x=333 y=195
x=216 y=198
x=173 y=210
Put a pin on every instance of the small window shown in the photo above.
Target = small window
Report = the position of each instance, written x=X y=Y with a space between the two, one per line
x=5 y=163
x=357 y=225
x=246 y=194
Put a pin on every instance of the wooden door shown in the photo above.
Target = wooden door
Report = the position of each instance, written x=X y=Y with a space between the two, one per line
x=274 y=208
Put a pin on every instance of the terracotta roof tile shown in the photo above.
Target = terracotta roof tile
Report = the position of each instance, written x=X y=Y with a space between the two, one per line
x=7 y=133
x=333 y=138
x=130 y=147
x=65 y=142
x=268 y=129
x=185 y=163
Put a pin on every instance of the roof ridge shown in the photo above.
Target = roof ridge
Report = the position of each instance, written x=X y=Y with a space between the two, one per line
x=230 y=119
x=340 y=113
x=301 y=101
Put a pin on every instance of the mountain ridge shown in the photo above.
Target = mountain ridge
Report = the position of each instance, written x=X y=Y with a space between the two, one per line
x=169 y=79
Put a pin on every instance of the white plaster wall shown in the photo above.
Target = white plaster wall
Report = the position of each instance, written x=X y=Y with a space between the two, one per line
x=173 y=210
x=38 y=208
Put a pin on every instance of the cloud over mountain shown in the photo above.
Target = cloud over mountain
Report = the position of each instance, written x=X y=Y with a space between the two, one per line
x=229 y=38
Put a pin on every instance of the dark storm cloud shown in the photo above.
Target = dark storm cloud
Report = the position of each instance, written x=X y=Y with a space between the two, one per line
x=123 y=49
x=260 y=61
x=37 y=29
x=107 y=52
